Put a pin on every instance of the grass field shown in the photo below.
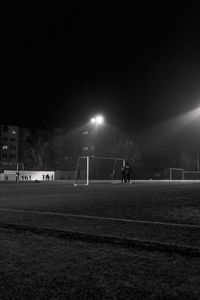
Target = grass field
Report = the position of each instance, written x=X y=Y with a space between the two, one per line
x=44 y=266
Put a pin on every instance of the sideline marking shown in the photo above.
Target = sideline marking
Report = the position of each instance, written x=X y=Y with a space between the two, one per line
x=100 y=218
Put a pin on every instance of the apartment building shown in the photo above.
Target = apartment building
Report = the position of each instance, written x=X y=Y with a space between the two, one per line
x=9 y=142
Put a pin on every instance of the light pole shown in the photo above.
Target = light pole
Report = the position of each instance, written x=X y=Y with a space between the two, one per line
x=96 y=122
x=195 y=115
x=198 y=145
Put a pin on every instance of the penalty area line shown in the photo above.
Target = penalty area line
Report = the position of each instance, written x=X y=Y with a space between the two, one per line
x=99 y=218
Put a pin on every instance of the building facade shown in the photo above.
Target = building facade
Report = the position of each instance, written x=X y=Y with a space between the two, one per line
x=54 y=149
x=9 y=143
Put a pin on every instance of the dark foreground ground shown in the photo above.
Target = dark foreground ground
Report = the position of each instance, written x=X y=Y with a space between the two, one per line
x=41 y=266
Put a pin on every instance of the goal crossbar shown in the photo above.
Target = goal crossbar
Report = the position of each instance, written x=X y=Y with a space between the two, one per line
x=88 y=158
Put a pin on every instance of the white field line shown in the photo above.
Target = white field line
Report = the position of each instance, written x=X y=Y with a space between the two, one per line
x=99 y=218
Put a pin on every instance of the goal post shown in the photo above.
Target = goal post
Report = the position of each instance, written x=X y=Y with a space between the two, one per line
x=176 y=174
x=98 y=169
x=82 y=171
x=11 y=170
x=181 y=174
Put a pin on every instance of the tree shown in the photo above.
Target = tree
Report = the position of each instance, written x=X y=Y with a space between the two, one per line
x=187 y=161
x=38 y=144
x=129 y=150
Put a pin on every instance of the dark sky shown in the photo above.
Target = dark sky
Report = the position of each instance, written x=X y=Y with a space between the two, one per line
x=138 y=65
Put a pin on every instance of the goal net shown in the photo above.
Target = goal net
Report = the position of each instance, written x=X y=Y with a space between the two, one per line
x=98 y=169
x=191 y=175
x=176 y=174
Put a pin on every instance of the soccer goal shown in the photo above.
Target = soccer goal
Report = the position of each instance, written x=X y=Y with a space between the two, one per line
x=176 y=174
x=11 y=171
x=98 y=169
x=191 y=175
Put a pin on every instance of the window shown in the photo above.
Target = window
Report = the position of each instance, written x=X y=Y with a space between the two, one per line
x=5 y=128
x=85 y=148
x=13 y=131
x=4 y=147
x=12 y=155
x=5 y=139
x=85 y=132
x=12 y=139
x=4 y=155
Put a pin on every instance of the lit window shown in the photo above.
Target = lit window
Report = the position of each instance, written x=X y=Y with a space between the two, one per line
x=85 y=148
x=13 y=132
x=85 y=132
x=4 y=147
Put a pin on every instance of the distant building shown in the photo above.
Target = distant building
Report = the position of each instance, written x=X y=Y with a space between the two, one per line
x=24 y=153
x=54 y=149
x=57 y=147
x=9 y=141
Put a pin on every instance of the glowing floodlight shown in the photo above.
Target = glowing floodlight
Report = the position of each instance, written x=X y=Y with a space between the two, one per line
x=99 y=119
x=93 y=121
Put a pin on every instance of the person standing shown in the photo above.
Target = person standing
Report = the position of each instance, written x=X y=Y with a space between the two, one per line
x=123 y=175
x=127 y=173
x=17 y=176
x=79 y=172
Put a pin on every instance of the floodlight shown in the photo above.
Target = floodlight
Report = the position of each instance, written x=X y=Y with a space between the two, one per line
x=93 y=120
x=99 y=119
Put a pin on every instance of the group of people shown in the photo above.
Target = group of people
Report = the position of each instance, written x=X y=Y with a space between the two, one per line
x=26 y=177
x=126 y=173
x=23 y=177
x=47 y=177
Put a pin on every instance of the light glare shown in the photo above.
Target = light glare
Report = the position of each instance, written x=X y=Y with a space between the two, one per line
x=99 y=119
x=93 y=120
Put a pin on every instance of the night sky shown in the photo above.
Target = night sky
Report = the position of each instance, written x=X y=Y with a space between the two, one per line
x=138 y=65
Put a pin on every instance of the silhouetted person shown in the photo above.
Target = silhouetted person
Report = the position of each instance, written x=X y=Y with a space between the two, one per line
x=79 y=172
x=17 y=176
x=123 y=175
x=127 y=173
